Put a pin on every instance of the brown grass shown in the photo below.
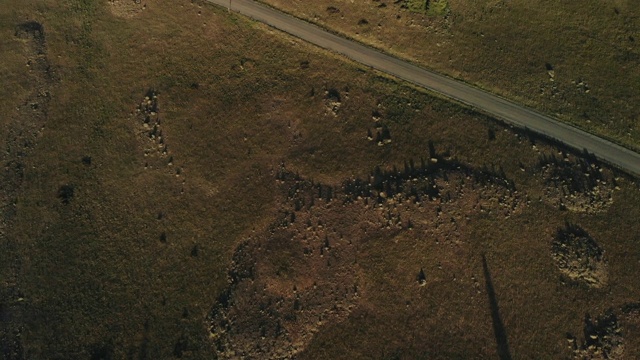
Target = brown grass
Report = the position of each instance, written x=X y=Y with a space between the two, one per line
x=99 y=277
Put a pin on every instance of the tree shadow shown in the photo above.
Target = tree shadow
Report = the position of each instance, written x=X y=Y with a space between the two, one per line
x=498 y=327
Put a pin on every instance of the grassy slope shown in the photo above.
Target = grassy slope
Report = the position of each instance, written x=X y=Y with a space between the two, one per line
x=504 y=47
x=95 y=274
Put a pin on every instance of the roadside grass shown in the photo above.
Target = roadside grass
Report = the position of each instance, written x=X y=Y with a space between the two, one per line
x=114 y=271
x=576 y=62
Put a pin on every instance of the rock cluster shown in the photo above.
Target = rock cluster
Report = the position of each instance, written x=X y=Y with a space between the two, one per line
x=579 y=257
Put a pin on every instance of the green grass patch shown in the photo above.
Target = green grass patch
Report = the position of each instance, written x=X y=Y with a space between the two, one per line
x=429 y=7
x=418 y=6
x=437 y=7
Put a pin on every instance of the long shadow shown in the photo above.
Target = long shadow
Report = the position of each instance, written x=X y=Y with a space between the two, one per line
x=498 y=326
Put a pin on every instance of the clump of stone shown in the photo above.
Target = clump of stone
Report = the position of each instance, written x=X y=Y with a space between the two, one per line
x=602 y=338
x=579 y=257
x=576 y=184
x=147 y=112
x=333 y=101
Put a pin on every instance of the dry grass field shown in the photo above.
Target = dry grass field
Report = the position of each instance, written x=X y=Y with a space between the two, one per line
x=184 y=183
x=577 y=61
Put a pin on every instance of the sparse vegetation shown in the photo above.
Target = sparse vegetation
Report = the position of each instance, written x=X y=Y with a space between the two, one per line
x=286 y=231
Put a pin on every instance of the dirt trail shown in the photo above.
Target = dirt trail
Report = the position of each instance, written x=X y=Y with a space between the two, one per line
x=22 y=134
